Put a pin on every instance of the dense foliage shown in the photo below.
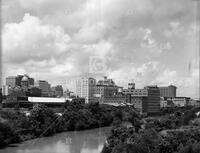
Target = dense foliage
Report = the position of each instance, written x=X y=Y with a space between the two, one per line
x=177 y=132
x=7 y=135
x=43 y=121
x=173 y=133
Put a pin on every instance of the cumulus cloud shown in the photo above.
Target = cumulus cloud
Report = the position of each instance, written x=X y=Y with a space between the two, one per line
x=149 y=41
x=30 y=39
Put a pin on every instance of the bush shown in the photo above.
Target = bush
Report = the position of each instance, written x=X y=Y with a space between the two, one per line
x=7 y=135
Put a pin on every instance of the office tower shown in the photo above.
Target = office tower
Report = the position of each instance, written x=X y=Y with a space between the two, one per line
x=85 y=88
x=168 y=92
x=145 y=100
x=44 y=86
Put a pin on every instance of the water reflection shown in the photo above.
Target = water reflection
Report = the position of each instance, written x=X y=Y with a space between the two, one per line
x=90 y=141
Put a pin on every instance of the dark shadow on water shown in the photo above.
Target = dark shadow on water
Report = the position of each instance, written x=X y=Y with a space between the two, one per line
x=10 y=145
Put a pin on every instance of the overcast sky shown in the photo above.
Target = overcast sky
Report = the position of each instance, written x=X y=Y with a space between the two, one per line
x=145 y=41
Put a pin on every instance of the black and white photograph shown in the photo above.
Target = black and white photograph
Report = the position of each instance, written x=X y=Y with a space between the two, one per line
x=99 y=76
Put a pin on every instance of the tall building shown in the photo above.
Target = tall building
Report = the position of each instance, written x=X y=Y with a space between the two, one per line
x=106 y=88
x=169 y=92
x=153 y=104
x=85 y=87
x=145 y=100
x=5 y=90
x=11 y=81
x=44 y=86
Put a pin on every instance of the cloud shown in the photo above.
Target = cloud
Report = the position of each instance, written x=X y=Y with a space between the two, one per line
x=150 y=41
x=32 y=40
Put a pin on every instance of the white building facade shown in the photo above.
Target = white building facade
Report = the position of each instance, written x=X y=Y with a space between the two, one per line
x=85 y=88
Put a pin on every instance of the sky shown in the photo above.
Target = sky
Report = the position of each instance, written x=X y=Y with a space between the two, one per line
x=149 y=42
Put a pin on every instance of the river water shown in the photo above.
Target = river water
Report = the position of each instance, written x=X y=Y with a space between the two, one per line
x=89 y=141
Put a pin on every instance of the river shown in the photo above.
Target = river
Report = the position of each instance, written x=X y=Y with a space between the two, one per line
x=89 y=141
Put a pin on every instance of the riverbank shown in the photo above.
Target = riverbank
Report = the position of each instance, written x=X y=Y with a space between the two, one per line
x=43 y=122
x=87 y=141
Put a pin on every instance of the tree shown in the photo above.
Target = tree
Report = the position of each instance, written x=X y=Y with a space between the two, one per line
x=192 y=148
x=7 y=135
x=42 y=120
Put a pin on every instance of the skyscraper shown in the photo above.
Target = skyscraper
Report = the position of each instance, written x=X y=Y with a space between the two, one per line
x=85 y=88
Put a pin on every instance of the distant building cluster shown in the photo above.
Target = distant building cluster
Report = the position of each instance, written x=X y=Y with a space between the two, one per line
x=24 y=91
x=30 y=87
x=107 y=92
x=170 y=99
x=150 y=99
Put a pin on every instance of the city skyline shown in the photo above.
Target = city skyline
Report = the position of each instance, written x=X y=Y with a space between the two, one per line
x=73 y=83
x=15 y=81
x=67 y=39
x=100 y=76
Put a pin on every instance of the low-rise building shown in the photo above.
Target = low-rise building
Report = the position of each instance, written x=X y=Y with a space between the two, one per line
x=166 y=102
x=194 y=102
x=181 y=101
x=118 y=99
x=57 y=91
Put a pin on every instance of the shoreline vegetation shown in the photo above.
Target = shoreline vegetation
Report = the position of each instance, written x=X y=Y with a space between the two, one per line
x=16 y=126
x=177 y=132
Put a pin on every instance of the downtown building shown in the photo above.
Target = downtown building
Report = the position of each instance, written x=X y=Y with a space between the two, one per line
x=168 y=92
x=44 y=86
x=85 y=87
x=145 y=100
x=170 y=99
x=19 y=81
x=105 y=88
x=57 y=91
x=13 y=81
x=107 y=92
x=181 y=101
